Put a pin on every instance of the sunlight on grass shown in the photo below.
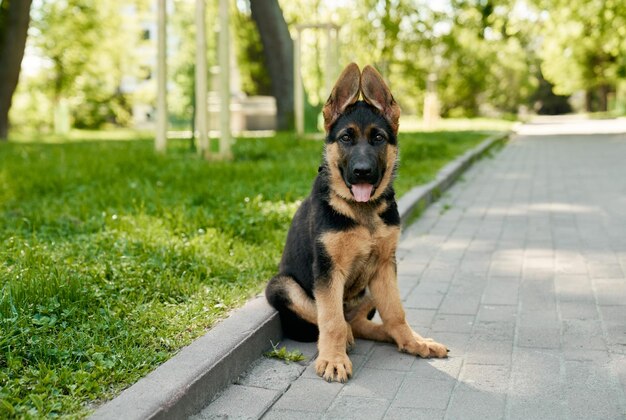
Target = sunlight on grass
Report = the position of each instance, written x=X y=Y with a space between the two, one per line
x=411 y=123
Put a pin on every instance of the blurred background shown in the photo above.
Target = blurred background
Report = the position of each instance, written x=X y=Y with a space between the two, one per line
x=92 y=64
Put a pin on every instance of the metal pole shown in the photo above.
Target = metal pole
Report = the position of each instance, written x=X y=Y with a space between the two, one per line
x=298 y=89
x=161 y=117
x=201 y=82
x=224 y=62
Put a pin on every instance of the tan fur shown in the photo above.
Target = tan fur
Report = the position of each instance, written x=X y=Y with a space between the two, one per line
x=376 y=93
x=364 y=328
x=301 y=304
x=347 y=247
x=338 y=186
x=332 y=362
x=345 y=92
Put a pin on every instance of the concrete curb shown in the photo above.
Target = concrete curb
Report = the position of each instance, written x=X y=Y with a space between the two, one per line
x=184 y=384
x=187 y=382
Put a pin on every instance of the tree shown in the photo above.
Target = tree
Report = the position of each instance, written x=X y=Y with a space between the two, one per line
x=584 y=45
x=278 y=51
x=90 y=46
x=14 y=21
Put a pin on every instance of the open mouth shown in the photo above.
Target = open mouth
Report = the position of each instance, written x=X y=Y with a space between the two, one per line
x=362 y=192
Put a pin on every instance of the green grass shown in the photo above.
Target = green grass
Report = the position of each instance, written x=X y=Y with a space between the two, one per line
x=411 y=123
x=285 y=355
x=112 y=258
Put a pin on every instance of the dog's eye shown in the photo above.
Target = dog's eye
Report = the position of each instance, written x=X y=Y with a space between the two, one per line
x=379 y=138
x=345 y=139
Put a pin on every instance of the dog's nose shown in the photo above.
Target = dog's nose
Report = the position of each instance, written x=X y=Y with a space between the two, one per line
x=362 y=171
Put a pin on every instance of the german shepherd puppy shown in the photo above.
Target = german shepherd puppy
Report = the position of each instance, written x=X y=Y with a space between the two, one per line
x=339 y=264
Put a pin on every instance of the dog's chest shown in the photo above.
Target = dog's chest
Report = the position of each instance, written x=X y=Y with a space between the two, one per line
x=358 y=253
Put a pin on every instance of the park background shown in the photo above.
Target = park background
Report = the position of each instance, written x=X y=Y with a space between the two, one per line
x=114 y=256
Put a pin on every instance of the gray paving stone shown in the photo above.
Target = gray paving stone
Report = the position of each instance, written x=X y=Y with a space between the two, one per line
x=548 y=317
x=484 y=351
x=362 y=347
x=583 y=334
x=281 y=414
x=419 y=300
x=543 y=337
x=501 y=291
x=354 y=407
x=591 y=393
x=437 y=369
x=495 y=330
x=467 y=404
x=399 y=413
x=485 y=378
x=271 y=374
x=536 y=388
x=306 y=394
x=419 y=317
x=578 y=310
x=387 y=357
x=497 y=313
x=610 y=291
x=460 y=303
x=573 y=288
x=424 y=393
x=453 y=323
x=237 y=401
x=374 y=383
x=522 y=278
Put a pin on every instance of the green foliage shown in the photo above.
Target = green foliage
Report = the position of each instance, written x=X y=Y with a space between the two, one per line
x=89 y=47
x=112 y=257
x=283 y=354
x=584 y=45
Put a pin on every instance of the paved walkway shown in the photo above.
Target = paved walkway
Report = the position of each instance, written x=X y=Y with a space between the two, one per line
x=519 y=269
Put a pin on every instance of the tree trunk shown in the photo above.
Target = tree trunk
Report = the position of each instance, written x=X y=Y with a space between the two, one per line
x=589 y=100
x=14 y=20
x=278 y=51
x=603 y=100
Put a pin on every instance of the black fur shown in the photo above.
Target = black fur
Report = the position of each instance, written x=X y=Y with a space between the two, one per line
x=304 y=257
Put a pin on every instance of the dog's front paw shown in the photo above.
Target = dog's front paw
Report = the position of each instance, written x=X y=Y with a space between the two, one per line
x=423 y=347
x=436 y=349
x=337 y=368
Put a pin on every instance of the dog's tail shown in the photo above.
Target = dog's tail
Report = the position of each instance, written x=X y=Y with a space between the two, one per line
x=296 y=309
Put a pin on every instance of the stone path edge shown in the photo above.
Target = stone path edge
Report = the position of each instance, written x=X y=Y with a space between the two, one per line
x=188 y=381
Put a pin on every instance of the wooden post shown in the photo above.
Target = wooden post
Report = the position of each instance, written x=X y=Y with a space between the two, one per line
x=202 y=126
x=224 y=62
x=161 y=117
x=329 y=75
x=298 y=88
x=161 y=122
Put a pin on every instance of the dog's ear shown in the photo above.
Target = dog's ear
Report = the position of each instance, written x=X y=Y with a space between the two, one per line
x=377 y=94
x=344 y=93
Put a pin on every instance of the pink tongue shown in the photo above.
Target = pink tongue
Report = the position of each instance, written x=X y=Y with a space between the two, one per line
x=362 y=192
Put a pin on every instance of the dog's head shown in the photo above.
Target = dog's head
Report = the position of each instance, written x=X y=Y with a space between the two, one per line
x=361 y=135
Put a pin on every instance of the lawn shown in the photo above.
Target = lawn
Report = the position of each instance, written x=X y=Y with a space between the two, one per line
x=112 y=257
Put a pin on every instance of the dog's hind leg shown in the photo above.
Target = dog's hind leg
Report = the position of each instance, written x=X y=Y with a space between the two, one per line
x=297 y=311
x=363 y=327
